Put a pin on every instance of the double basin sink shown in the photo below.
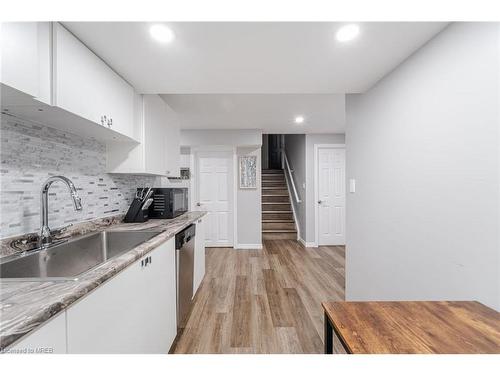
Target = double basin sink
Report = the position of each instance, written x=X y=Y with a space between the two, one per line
x=71 y=259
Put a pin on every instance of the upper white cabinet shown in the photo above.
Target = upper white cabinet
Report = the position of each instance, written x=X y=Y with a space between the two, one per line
x=134 y=312
x=161 y=136
x=86 y=86
x=49 y=76
x=25 y=58
x=157 y=129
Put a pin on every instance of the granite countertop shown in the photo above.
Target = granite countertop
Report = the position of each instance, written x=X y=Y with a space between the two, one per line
x=25 y=305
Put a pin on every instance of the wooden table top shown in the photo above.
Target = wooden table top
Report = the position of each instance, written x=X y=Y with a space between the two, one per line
x=415 y=327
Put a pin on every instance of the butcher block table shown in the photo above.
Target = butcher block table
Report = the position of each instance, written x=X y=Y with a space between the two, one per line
x=410 y=327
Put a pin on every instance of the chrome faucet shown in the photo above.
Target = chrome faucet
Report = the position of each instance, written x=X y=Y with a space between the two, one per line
x=45 y=234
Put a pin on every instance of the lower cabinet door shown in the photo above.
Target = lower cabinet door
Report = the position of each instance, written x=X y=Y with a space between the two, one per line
x=49 y=338
x=199 y=255
x=134 y=312
x=159 y=328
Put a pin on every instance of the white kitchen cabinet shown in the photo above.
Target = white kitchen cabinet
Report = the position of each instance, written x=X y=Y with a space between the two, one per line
x=134 y=312
x=172 y=144
x=25 y=59
x=185 y=160
x=48 y=338
x=157 y=129
x=199 y=254
x=84 y=85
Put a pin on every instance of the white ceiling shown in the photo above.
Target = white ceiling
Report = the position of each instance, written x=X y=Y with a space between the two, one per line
x=255 y=75
x=273 y=113
x=252 y=57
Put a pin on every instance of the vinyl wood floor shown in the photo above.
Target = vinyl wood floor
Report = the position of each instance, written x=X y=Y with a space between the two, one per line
x=264 y=301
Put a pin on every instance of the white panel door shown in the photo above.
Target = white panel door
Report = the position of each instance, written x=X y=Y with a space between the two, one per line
x=215 y=195
x=331 y=196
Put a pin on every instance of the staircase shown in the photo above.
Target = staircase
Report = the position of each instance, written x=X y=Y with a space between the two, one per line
x=277 y=215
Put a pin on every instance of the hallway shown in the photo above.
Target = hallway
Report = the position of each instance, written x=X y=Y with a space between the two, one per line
x=264 y=301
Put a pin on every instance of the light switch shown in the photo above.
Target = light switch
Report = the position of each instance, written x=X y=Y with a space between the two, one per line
x=352 y=185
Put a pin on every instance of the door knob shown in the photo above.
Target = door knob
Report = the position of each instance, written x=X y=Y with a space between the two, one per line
x=320 y=201
x=198 y=204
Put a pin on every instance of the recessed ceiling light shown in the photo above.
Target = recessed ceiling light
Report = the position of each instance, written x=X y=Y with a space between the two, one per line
x=299 y=119
x=161 y=33
x=347 y=32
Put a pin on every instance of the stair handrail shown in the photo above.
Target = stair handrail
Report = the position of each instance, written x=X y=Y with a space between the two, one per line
x=290 y=177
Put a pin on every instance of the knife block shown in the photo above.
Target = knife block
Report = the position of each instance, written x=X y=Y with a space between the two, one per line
x=135 y=213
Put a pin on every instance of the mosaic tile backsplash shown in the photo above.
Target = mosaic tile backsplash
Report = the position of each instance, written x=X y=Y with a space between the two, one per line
x=30 y=153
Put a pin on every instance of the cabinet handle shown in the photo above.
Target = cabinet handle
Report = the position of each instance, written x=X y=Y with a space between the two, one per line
x=146 y=261
x=167 y=172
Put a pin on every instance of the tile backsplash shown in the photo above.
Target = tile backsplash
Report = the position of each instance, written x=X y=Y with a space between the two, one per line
x=30 y=153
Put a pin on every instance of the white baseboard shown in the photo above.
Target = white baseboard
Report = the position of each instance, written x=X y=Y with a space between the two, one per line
x=249 y=246
x=307 y=244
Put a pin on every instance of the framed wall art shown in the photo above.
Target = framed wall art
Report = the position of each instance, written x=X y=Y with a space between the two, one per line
x=248 y=172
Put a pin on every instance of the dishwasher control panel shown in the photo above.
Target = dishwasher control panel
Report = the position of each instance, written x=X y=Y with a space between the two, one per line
x=184 y=236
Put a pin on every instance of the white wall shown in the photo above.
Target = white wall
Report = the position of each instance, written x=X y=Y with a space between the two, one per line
x=265 y=151
x=423 y=146
x=249 y=233
x=295 y=148
x=243 y=138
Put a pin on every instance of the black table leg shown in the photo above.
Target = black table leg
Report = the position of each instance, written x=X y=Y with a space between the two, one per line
x=328 y=336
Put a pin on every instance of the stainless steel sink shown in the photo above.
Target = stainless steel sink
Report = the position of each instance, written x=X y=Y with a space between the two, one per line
x=71 y=259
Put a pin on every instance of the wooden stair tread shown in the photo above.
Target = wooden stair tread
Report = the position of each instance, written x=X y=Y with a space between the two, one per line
x=277 y=213
x=279 y=230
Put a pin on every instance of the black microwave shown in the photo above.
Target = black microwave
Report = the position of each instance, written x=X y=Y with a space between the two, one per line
x=168 y=203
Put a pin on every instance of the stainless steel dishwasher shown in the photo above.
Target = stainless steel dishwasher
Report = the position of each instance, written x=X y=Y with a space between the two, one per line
x=184 y=258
